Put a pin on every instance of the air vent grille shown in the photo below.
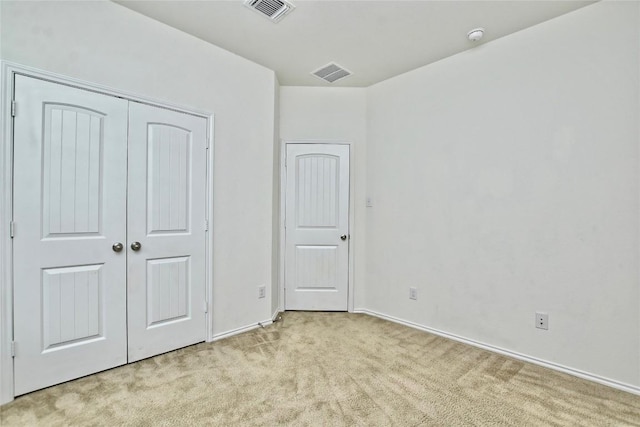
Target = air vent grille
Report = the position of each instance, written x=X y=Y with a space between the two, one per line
x=275 y=10
x=331 y=72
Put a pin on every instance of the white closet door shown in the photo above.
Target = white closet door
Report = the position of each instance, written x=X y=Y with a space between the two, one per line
x=317 y=227
x=70 y=156
x=166 y=202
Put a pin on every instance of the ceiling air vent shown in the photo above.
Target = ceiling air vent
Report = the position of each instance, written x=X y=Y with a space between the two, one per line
x=275 y=10
x=331 y=72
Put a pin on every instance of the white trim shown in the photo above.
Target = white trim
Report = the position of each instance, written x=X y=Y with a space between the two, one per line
x=105 y=90
x=275 y=315
x=544 y=363
x=638 y=229
x=242 y=329
x=7 y=73
x=209 y=236
x=6 y=256
x=283 y=197
x=283 y=206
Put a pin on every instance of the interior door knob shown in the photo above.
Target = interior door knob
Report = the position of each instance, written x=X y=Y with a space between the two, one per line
x=136 y=246
x=343 y=237
x=117 y=247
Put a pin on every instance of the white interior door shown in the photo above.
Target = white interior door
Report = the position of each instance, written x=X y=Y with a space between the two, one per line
x=70 y=156
x=317 y=227
x=167 y=206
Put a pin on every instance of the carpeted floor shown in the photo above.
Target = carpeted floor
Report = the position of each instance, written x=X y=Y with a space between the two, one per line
x=327 y=369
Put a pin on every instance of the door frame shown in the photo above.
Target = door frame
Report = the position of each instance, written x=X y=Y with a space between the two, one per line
x=7 y=73
x=283 y=208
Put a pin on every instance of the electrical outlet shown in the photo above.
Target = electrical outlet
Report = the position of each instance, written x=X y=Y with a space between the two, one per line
x=413 y=293
x=262 y=291
x=542 y=320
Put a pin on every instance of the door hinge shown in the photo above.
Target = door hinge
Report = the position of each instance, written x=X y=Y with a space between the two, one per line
x=206 y=225
x=12 y=229
x=13 y=108
x=206 y=306
x=13 y=349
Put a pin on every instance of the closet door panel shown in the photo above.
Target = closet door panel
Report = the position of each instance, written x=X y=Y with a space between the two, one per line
x=70 y=156
x=166 y=217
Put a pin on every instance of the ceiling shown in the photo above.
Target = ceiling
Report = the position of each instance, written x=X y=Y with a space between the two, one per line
x=375 y=40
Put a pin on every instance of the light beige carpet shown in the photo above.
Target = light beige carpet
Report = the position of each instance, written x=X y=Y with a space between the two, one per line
x=327 y=369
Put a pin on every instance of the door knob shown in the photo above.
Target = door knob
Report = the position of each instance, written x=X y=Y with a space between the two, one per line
x=136 y=246
x=117 y=247
x=343 y=237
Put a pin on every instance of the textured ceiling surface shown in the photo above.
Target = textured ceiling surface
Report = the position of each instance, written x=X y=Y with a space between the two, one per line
x=375 y=40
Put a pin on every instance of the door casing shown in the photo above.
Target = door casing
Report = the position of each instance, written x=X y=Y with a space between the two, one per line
x=283 y=204
x=7 y=73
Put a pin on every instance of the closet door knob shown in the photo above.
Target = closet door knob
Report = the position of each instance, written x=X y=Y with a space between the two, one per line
x=136 y=246
x=343 y=237
x=117 y=247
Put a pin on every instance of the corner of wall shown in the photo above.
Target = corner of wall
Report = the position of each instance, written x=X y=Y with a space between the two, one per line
x=275 y=223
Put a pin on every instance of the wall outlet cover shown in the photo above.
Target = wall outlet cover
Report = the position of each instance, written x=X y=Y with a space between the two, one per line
x=542 y=320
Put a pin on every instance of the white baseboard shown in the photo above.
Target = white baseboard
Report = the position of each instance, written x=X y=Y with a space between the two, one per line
x=222 y=335
x=275 y=314
x=551 y=365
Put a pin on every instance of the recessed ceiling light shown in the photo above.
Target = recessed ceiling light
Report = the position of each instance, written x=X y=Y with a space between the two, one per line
x=475 y=34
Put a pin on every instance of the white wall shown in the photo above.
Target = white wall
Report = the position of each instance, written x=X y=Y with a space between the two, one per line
x=334 y=114
x=505 y=181
x=275 y=220
x=108 y=44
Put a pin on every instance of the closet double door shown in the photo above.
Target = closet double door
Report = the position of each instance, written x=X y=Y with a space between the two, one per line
x=109 y=232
